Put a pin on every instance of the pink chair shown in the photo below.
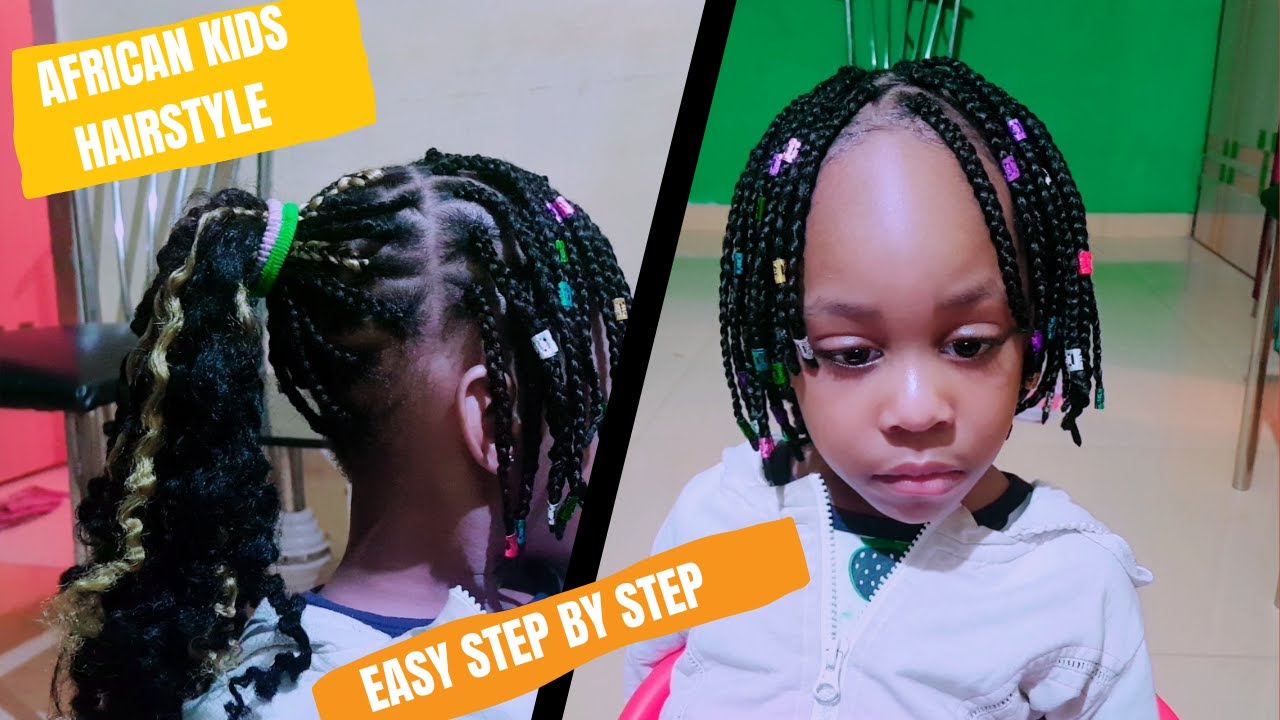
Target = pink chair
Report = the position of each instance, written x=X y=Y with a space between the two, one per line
x=647 y=702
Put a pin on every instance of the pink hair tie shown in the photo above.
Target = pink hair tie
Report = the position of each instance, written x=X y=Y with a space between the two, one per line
x=275 y=217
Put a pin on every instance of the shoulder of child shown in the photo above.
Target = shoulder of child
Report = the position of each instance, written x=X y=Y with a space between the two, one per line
x=732 y=494
x=328 y=631
x=1088 y=547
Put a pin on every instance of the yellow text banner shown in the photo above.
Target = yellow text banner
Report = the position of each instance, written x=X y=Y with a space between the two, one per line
x=196 y=92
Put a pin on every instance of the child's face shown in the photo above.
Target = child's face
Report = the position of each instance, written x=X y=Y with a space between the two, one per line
x=919 y=364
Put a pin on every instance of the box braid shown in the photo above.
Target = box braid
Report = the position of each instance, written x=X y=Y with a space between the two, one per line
x=762 y=334
x=182 y=525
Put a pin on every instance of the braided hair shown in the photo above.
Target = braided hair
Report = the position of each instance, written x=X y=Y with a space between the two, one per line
x=181 y=527
x=762 y=332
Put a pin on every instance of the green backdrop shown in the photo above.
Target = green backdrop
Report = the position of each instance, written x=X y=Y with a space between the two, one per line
x=1123 y=85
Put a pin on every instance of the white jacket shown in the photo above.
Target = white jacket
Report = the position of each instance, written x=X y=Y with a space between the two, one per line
x=335 y=641
x=1041 y=619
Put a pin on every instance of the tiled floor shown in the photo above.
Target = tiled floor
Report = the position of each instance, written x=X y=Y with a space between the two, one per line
x=1156 y=466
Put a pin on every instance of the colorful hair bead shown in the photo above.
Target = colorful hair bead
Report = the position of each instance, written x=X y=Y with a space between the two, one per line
x=1086 y=262
x=566 y=294
x=746 y=430
x=744 y=381
x=620 y=309
x=1099 y=401
x=566 y=510
x=545 y=345
x=737 y=263
x=561 y=208
x=804 y=348
x=510 y=547
x=792 y=152
x=761 y=359
x=779 y=414
x=564 y=251
x=766 y=447
x=1011 y=171
x=1075 y=360
x=1049 y=329
x=520 y=531
x=779 y=374
x=760 y=208
x=1015 y=129
x=779 y=271
x=1037 y=341
x=775 y=165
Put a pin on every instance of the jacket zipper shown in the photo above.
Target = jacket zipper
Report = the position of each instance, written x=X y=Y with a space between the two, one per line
x=835 y=647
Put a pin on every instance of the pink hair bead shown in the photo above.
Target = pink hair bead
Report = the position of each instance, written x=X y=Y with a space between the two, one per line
x=766 y=447
x=1086 y=262
x=561 y=208
x=511 y=548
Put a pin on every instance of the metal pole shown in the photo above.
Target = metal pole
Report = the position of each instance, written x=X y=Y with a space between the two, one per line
x=118 y=226
x=955 y=24
x=933 y=30
x=1247 y=442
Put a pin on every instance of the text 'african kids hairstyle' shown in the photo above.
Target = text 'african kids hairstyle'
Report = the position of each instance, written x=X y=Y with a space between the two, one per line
x=762 y=332
x=182 y=526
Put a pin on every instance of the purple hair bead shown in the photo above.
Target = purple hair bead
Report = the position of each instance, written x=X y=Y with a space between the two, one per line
x=1016 y=130
x=1037 y=341
x=775 y=165
x=1011 y=171
x=792 y=152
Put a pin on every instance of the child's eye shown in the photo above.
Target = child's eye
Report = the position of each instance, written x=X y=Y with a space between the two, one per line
x=853 y=357
x=970 y=348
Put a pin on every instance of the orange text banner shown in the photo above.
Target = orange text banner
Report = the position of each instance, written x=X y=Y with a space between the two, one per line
x=481 y=661
x=205 y=90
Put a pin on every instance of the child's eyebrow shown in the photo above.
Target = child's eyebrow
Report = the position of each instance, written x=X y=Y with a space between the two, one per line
x=971 y=296
x=967 y=297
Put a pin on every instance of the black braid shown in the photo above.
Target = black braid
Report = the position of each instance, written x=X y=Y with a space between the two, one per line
x=971 y=117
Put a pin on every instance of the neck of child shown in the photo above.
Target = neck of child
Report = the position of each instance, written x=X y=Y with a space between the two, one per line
x=414 y=536
x=989 y=487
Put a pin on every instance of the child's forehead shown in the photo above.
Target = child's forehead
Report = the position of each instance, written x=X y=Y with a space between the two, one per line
x=896 y=211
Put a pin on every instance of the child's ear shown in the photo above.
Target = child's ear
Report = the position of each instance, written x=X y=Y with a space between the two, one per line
x=474 y=419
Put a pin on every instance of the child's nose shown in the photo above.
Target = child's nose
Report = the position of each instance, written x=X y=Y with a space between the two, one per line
x=916 y=403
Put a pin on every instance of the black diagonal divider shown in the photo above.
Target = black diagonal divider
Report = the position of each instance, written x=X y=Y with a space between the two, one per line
x=651 y=289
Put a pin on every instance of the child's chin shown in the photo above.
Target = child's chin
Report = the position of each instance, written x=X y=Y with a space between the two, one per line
x=914 y=511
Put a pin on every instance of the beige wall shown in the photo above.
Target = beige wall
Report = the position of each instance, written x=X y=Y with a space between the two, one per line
x=583 y=91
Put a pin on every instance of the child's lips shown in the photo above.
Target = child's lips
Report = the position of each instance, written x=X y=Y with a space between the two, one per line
x=923 y=481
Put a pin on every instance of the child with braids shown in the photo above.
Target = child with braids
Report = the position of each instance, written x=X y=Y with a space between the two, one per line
x=450 y=325
x=905 y=268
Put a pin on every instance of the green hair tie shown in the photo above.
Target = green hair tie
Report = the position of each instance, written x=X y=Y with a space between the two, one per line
x=282 y=224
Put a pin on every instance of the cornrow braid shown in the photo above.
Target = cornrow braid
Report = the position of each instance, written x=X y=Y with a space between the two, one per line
x=763 y=339
x=182 y=526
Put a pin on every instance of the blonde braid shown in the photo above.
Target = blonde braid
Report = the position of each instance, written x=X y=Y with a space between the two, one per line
x=344 y=183
x=78 y=608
